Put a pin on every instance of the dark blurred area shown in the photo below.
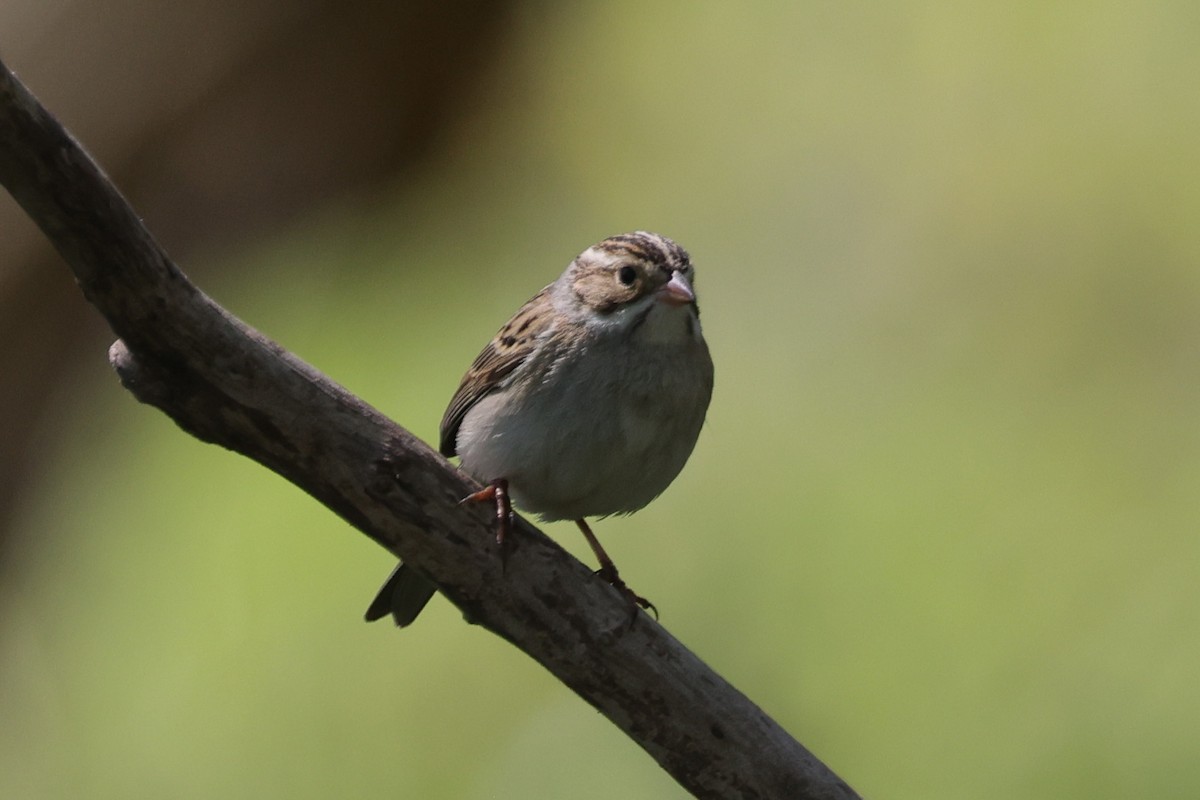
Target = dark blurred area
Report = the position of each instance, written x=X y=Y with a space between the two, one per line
x=218 y=120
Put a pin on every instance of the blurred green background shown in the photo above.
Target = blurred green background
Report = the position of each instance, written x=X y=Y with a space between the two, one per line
x=942 y=521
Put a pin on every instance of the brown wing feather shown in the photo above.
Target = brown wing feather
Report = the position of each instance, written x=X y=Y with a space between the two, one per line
x=507 y=351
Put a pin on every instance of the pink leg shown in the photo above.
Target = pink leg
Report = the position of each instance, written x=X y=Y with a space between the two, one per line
x=496 y=491
x=608 y=571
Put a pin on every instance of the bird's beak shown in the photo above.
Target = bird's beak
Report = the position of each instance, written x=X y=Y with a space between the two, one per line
x=677 y=291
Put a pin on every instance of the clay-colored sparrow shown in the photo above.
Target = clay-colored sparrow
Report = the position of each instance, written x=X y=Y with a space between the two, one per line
x=586 y=403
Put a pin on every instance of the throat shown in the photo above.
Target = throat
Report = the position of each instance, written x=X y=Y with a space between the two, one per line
x=662 y=324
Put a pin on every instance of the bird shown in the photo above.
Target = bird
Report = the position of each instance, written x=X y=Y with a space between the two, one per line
x=586 y=403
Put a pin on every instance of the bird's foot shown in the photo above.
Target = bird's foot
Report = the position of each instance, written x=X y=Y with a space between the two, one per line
x=497 y=492
x=609 y=573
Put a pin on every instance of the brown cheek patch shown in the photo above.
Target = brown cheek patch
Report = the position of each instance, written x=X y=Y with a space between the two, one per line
x=596 y=290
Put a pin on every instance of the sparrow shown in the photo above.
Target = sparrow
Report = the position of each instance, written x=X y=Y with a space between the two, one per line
x=587 y=403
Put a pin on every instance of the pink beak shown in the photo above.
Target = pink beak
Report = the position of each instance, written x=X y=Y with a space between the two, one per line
x=677 y=291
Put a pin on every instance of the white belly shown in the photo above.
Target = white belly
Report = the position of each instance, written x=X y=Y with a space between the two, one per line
x=589 y=442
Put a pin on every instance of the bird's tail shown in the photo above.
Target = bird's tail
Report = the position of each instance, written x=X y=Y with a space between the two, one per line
x=403 y=596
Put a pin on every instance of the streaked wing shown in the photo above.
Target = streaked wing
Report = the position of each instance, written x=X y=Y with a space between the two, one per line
x=507 y=351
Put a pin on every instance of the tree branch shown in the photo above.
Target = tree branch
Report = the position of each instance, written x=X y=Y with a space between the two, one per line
x=227 y=384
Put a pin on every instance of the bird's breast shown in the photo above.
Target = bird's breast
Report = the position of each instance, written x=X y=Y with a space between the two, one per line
x=600 y=431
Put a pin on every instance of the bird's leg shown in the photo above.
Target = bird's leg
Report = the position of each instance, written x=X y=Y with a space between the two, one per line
x=497 y=492
x=608 y=571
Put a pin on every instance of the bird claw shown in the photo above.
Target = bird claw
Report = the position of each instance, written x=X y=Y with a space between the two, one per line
x=609 y=573
x=497 y=492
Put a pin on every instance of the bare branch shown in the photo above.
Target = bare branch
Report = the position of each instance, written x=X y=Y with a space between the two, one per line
x=225 y=383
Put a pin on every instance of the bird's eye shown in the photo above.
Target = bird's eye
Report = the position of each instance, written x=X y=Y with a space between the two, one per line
x=627 y=275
